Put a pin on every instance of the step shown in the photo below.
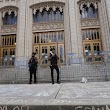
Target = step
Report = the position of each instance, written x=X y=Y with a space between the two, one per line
x=65 y=96
x=67 y=73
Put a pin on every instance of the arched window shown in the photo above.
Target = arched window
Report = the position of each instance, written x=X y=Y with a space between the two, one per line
x=44 y=15
x=35 y=17
x=5 y=19
x=13 y=18
x=91 y=34
x=57 y=14
x=89 y=12
x=9 y=19
x=49 y=15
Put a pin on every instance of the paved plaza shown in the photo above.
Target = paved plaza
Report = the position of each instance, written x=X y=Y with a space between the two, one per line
x=90 y=93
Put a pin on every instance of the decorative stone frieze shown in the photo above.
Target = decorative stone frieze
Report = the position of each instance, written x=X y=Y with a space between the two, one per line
x=47 y=26
x=9 y=10
x=12 y=29
x=86 y=1
x=90 y=22
x=47 y=6
x=37 y=27
x=81 y=5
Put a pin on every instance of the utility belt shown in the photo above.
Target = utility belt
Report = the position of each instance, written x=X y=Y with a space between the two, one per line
x=53 y=65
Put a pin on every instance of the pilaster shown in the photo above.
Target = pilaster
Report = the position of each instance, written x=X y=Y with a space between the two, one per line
x=21 y=33
x=103 y=15
x=28 y=31
x=0 y=33
x=75 y=27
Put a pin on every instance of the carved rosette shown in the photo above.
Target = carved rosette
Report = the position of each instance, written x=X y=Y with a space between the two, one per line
x=9 y=29
x=90 y=23
x=47 y=26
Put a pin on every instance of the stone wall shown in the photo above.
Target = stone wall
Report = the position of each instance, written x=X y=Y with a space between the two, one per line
x=72 y=25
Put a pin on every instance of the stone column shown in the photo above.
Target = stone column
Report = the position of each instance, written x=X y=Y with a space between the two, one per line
x=74 y=29
x=78 y=31
x=105 y=29
x=67 y=28
x=107 y=13
x=28 y=31
x=75 y=26
x=102 y=26
x=0 y=33
x=21 y=34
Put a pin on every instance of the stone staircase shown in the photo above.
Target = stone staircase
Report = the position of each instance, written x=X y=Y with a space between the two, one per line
x=68 y=73
x=76 y=72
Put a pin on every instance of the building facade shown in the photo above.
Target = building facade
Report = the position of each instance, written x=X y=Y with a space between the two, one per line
x=70 y=26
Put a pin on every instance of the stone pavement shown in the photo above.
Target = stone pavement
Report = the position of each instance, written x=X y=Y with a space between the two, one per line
x=90 y=94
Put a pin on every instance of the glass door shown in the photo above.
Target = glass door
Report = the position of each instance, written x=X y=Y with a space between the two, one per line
x=8 y=56
x=88 y=52
x=4 y=52
x=44 y=54
x=96 y=50
x=11 y=56
x=61 y=53
x=45 y=50
x=92 y=51
x=37 y=51
x=44 y=41
x=53 y=46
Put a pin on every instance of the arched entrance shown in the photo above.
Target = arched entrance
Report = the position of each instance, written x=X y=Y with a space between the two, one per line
x=8 y=50
x=92 y=45
x=43 y=42
x=8 y=36
x=90 y=27
x=48 y=31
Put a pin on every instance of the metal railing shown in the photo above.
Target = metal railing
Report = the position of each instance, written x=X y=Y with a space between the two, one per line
x=75 y=68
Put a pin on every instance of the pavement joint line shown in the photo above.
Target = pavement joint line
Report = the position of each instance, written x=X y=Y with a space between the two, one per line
x=94 y=93
x=58 y=91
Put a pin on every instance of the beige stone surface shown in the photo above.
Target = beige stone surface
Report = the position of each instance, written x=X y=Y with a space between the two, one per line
x=72 y=25
x=67 y=94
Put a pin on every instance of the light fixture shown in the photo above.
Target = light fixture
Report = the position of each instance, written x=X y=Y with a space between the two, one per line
x=50 y=41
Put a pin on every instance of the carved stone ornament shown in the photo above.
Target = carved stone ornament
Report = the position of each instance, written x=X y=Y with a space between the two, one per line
x=90 y=22
x=9 y=10
x=47 y=26
x=86 y=1
x=47 y=5
x=8 y=29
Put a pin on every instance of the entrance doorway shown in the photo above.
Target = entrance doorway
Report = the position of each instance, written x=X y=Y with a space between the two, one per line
x=8 y=56
x=44 y=41
x=42 y=53
x=92 y=45
x=92 y=51
x=7 y=50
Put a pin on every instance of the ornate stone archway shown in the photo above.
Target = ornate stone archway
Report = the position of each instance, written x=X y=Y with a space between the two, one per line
x=48 y=31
